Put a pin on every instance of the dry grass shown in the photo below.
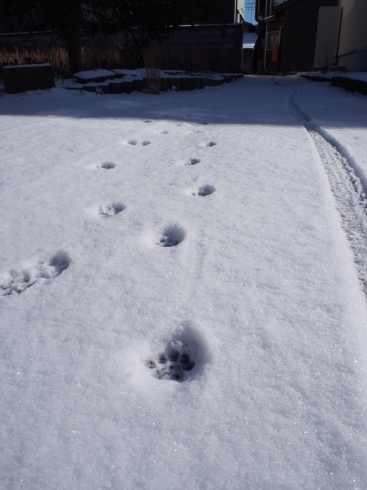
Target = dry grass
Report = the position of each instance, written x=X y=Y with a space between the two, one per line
x=107 y=58
x=190 y=57
x=58 y=57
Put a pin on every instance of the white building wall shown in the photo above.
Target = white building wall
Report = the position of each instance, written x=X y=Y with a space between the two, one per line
x=241 y=9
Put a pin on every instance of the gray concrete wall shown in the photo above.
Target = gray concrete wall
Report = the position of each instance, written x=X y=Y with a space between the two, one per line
x=353 y=30
x=327 y=36
x=26 y=41
x=211 y=48
x=299 y=34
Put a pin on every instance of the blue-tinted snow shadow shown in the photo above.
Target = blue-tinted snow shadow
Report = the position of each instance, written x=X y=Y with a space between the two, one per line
x=250 y=100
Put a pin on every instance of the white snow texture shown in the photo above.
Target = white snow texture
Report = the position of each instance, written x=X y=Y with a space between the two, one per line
x=179 y=302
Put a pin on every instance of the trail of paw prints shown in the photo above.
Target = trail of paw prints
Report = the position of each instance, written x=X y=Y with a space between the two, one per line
x=109 y=210
x=176 y=361
x=171 y=236
x=19 y=280
x=204 y=190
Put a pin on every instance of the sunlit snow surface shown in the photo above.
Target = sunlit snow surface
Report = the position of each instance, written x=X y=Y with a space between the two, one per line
x=139 y=257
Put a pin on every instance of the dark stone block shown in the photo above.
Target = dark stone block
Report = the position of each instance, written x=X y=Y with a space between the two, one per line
x=315 y=78
x=208 y=82
x=139 y=85
x=104 y=88
x=127 y=86
x=201 y=82
x=97 y=76
x=173 y=82
x=28 y=77
x=115 y=87
x=213 y=82
x=90 y=88
x=362 y=87
x=169 y=83
x=190 y=83
x=184 y=83
x=227 y=78
x=164 y=84
x=198 y=83
x=343 y=82
x=154 y=85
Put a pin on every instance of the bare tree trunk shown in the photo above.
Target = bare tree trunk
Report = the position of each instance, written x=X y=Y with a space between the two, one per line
x=152 y=63
x=74 y=46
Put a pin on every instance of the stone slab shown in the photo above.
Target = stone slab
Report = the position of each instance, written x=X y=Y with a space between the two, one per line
x=90 y=88
x=138 y=85
x=104 y=87
x=93 y=76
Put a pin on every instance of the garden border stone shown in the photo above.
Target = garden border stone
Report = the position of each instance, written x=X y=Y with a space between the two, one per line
x=20 y=78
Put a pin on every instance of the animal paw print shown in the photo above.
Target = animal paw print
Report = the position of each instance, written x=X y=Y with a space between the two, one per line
x=19 y=280
x=109 y=210
x=136 y=143
x=204 y=190
x=193 y=161
x=171 y=236
x=173 y=363
x=108 y=165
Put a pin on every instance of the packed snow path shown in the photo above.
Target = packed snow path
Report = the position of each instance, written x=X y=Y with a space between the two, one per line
x=346 y=183
x=179 y=303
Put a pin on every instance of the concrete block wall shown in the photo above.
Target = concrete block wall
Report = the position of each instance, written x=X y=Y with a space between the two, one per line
x=204 y=47
x=26 y=41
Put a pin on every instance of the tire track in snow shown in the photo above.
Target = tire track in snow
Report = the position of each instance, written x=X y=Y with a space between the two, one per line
x=346 y=186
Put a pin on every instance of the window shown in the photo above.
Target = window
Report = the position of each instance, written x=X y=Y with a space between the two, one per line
x=273 y=38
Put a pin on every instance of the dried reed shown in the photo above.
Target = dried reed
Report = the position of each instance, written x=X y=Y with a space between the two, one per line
x=57 y=56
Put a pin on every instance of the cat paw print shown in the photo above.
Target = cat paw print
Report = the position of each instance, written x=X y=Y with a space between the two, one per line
x=180 y=359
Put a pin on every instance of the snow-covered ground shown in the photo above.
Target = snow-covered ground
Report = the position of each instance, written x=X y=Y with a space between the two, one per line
x=343 y=115
x=256 y=309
